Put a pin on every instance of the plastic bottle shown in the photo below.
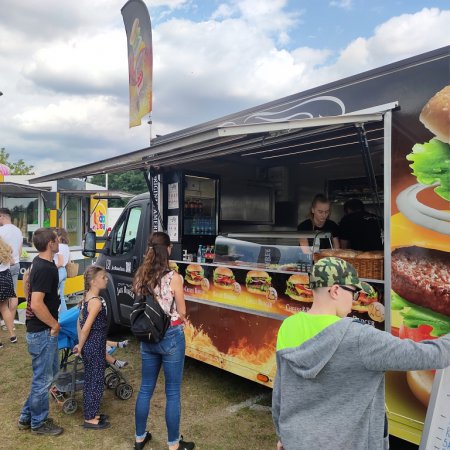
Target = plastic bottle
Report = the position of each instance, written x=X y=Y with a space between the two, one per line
x=199 y=254
x=203 y=257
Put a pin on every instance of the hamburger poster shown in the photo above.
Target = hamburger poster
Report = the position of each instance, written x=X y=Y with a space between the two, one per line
x=257 y=299
x=420 y=244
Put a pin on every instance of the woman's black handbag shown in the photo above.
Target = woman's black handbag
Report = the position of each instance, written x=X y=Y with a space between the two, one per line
x=149 y=322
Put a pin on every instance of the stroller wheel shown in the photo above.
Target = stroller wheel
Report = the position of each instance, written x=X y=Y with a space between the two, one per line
x=112 y=380
x=69 y=406
x=124 y=391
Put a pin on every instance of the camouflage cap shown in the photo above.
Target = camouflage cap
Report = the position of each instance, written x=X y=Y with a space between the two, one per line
x=330 y=271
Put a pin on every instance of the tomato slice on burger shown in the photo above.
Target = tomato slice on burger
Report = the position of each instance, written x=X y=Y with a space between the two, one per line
x=421 y=333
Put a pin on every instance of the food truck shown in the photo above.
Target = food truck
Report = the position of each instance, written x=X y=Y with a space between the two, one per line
x=71 y=204
x=230 y=193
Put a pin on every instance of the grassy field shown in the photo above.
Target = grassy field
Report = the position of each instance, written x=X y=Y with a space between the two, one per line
x=208 y=416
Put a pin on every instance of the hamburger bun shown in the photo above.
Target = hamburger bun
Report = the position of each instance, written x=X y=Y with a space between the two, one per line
x=421 y=382
x=194 y=268
x=375 y=254
x=257 y=274
x=435 y=115
x=221 y=270
x=299 y=279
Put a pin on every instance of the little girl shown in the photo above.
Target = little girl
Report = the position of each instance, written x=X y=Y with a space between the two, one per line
x=92 y=329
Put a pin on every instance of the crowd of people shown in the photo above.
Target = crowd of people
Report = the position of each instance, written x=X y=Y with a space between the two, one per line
x=46 y=302
x=337 y=363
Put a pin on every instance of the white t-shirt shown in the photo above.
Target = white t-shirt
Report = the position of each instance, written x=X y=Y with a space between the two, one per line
x=13 y=237
x=65 y=252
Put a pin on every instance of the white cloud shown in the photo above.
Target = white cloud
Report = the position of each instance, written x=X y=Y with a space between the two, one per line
x=65 y=82
x=396 y=39
x=345 y=4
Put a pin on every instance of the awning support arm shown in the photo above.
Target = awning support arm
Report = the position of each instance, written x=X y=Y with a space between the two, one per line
x=148 y=175
x=368 y=166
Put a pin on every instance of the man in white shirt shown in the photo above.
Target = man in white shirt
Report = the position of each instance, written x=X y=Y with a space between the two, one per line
x=13 y=237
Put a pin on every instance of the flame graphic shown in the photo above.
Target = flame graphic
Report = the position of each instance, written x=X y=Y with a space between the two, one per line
x=261 y=359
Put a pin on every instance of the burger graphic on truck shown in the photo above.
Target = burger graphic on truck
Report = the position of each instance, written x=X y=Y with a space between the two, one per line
x=223 y=278
x=421 y=272
x=258 y=282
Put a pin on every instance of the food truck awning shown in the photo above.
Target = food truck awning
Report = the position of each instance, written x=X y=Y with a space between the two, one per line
x=229 y=140
x=98 y=195
x=18 y=188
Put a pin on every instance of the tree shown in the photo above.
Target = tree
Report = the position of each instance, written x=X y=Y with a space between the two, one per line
x=17 y=168
x=132 y=181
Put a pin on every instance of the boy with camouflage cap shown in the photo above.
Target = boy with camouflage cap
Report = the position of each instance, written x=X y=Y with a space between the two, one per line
x=329 y=387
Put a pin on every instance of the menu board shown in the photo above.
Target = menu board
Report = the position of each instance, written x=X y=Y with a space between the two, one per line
x=173 y=199
x=436 y=433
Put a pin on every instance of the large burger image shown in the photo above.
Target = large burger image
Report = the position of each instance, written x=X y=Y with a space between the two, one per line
x=297 y=288
x=223 y=278
x=194 y=274
x=421 y=273
x=258 y=282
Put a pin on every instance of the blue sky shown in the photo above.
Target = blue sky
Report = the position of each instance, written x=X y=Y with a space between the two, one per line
x=65 y=75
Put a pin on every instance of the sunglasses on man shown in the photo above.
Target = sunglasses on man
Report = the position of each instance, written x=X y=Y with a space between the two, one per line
x=355 y=292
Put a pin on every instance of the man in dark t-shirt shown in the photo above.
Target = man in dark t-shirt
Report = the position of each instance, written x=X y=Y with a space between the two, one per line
x=360 y=229
x=42 y=334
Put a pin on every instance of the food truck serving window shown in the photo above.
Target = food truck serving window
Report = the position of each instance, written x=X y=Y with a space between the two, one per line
x=270 y=251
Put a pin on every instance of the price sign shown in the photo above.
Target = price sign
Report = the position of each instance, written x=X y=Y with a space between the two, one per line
x=436 y=432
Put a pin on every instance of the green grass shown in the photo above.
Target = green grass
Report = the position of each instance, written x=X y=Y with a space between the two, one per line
x=207 y=393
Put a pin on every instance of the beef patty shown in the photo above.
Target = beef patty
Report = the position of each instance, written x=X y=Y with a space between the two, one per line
x=422 y=276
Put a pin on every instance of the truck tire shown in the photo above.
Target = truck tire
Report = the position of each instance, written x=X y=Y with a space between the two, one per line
x=112 y=326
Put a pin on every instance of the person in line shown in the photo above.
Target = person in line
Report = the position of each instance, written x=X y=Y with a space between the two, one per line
x=154 y=277
x=61 y=260
x=13 y=236
x=42 y=334
x=92 y=330
x=360 y=229
x=318 y=221
x=110 y=347
x=329 y=386
x=7 y=291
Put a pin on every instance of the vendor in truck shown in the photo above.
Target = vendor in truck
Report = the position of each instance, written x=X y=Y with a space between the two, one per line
x=318 y=221
x=360 y=229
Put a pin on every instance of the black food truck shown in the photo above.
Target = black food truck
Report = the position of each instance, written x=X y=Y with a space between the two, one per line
x=231 y=192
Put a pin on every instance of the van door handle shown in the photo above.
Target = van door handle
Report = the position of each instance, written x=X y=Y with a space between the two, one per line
x=134 y=263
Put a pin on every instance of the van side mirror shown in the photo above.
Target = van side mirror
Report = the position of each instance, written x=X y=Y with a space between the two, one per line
x=90 y=244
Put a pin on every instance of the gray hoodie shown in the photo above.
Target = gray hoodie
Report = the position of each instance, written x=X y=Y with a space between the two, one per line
x=329 y=391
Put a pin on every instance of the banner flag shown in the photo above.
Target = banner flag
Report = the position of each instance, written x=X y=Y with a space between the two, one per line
x=140 y=58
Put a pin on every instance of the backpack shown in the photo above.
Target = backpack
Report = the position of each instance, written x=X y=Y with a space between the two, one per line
x=149 y=322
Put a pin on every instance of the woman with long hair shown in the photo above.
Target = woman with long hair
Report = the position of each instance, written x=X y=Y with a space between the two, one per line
x=154 y=277
x=318 y=221
x=6 y=289
x=61 y=259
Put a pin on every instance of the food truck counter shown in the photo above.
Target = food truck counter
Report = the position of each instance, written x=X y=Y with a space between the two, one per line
x=265 y=274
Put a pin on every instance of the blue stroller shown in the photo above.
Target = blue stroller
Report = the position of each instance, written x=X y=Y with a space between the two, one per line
x=70 y=377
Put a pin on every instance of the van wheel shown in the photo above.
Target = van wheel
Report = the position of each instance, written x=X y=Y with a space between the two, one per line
x=112 y=326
